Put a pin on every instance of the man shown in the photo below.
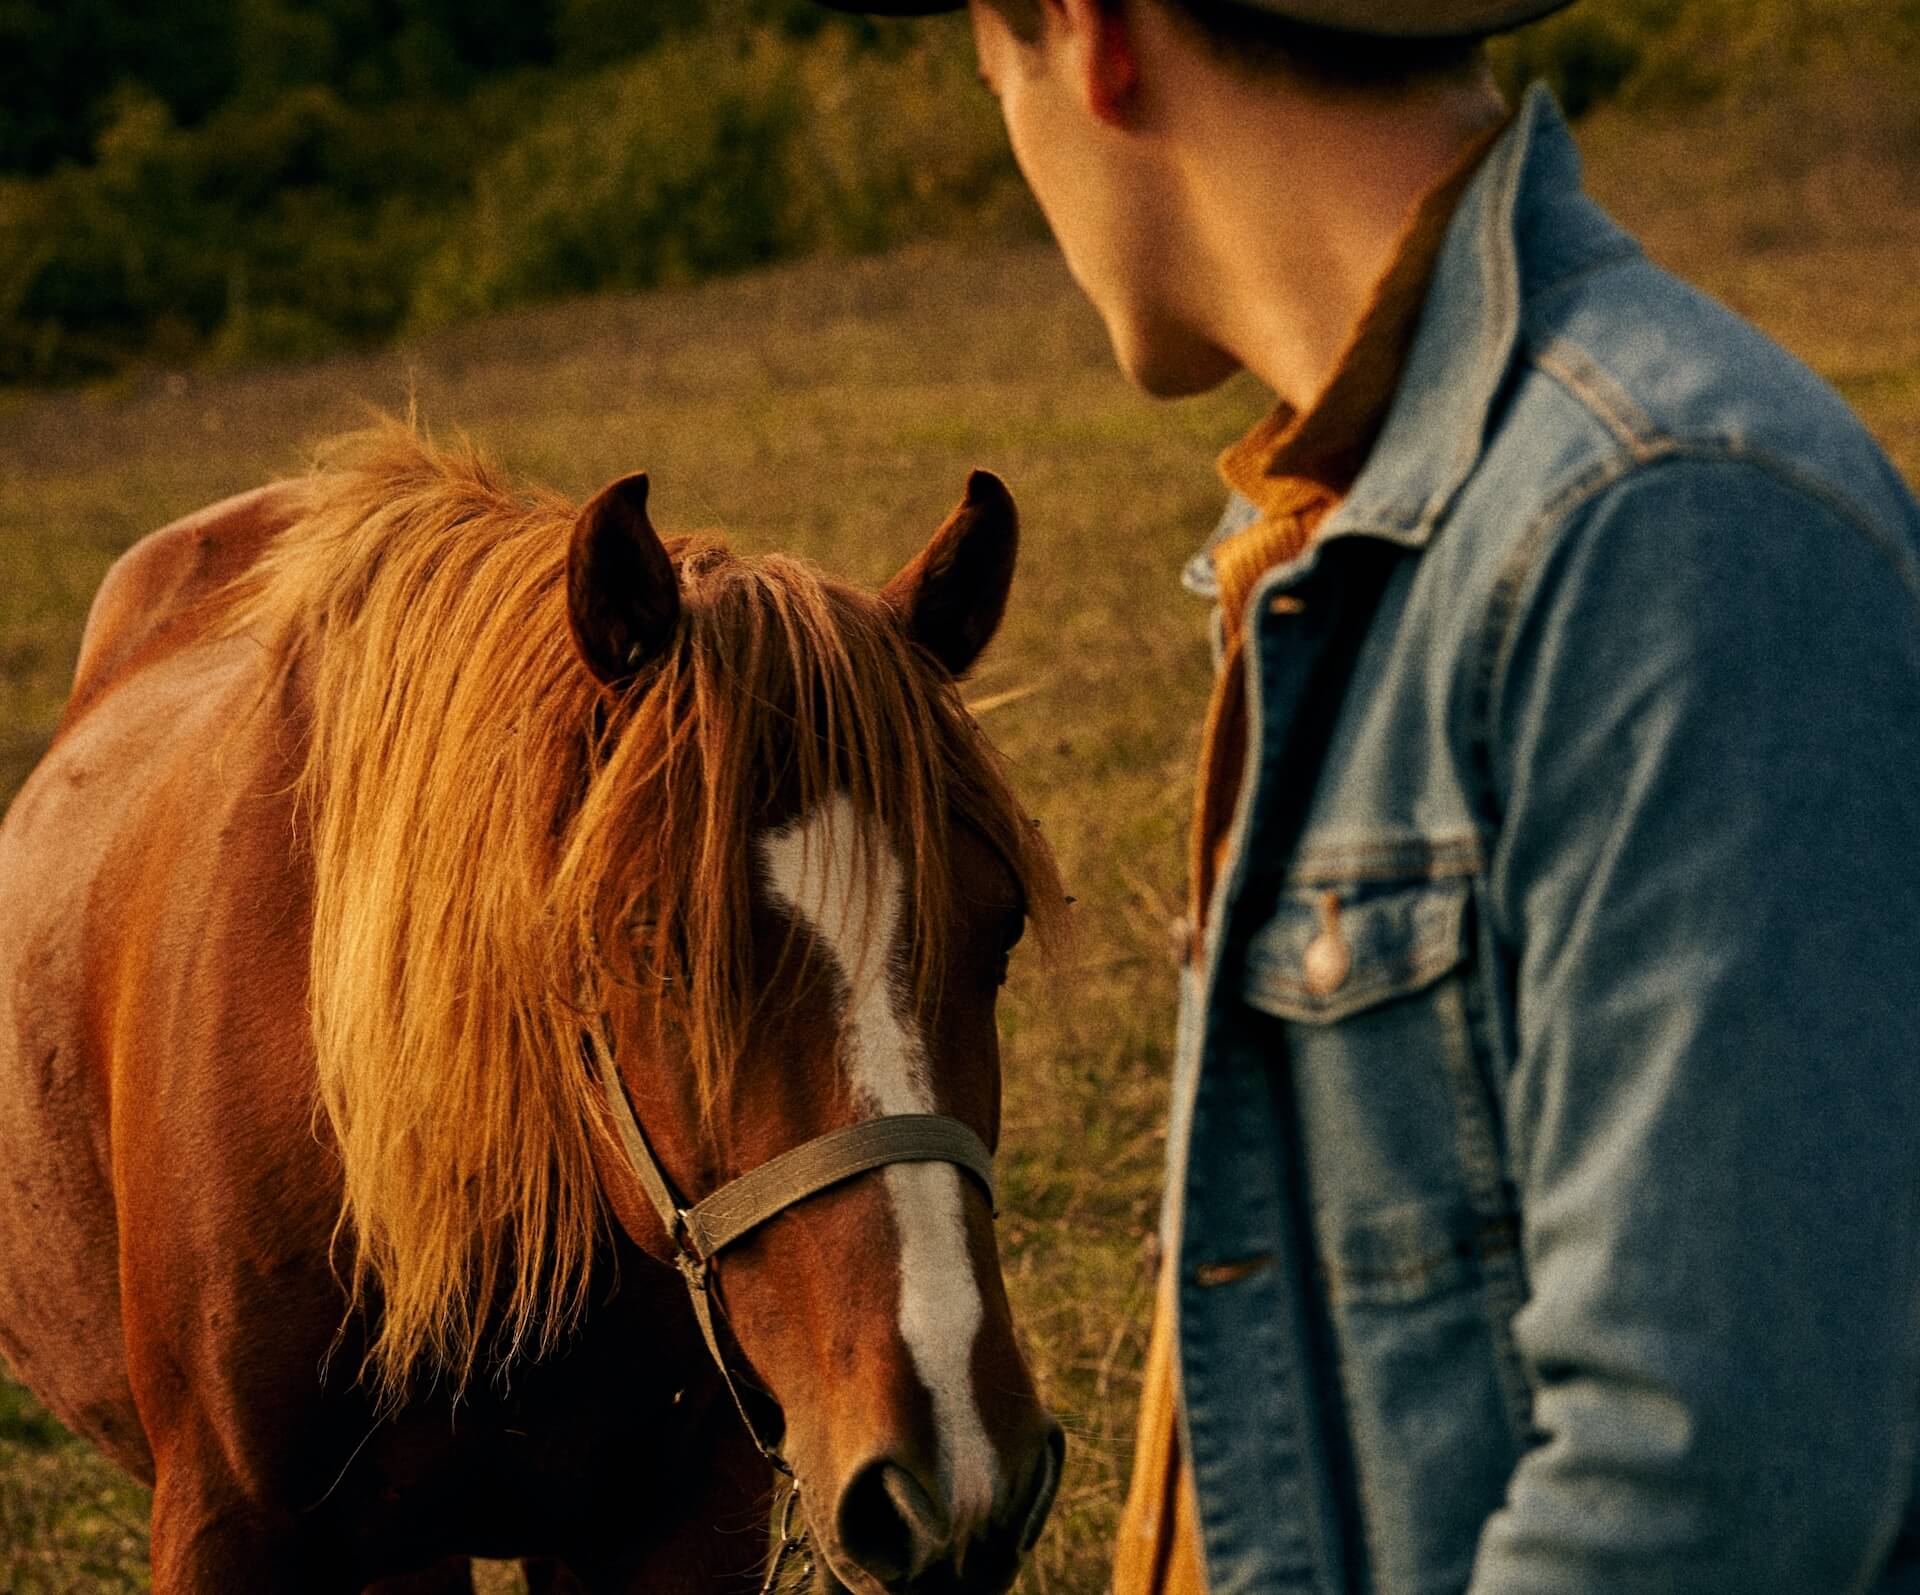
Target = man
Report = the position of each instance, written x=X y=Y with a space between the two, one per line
x=1543 y=1213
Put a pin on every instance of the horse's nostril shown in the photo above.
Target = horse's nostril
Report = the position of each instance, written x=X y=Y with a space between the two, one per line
x=889 y=1524
x=1046 y=1484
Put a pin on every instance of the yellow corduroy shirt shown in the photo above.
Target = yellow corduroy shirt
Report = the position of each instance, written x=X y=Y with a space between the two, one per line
x=1295 y=466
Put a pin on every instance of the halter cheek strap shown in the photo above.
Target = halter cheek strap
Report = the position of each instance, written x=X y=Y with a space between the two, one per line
x=697 y=1234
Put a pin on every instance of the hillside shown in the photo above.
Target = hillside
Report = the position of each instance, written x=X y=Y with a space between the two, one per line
x=270 y=181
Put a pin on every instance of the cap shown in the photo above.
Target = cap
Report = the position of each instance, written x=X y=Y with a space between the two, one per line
x=1390 y=19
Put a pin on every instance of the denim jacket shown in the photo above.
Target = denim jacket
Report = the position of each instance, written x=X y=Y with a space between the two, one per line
x=1545 y=1161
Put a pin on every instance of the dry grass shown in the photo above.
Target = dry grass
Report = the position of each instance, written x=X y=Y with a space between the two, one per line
x=835 y=409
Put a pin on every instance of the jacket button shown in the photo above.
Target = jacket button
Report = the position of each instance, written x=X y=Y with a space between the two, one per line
x=1328 y=959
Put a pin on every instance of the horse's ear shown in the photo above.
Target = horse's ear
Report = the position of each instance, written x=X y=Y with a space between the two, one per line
x=623 y=599
x=953 y=593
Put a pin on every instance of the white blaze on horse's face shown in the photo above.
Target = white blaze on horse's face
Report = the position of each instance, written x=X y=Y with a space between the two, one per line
x=851 y=897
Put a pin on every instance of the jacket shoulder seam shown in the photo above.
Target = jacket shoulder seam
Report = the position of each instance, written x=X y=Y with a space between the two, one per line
x=1599 y=394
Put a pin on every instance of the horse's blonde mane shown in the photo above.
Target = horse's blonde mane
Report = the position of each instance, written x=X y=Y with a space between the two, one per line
x=498 y=843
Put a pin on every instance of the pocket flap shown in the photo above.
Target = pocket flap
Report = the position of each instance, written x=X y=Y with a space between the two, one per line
x=1382 y=942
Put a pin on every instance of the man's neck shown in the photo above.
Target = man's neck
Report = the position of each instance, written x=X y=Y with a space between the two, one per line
x=1294 y=207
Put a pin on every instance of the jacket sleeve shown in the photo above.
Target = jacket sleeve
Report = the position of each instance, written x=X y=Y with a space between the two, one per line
x=1706 y=750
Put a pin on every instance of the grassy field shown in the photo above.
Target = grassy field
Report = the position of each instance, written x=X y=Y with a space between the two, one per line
x=835 y=410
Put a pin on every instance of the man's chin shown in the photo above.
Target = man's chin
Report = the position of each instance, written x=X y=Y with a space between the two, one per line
x=1174 y=373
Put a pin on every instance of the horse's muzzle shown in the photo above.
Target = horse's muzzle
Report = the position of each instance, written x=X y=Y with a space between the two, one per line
x=897 y=1533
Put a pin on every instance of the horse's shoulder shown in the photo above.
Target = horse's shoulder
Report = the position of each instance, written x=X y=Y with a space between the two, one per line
x=160 y=594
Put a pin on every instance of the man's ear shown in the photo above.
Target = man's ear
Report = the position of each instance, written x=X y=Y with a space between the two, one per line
x=951 y=596
x=623 y=599
x=1105 y=58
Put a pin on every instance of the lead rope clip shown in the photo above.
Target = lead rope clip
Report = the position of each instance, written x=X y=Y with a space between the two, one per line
x=790 y=1546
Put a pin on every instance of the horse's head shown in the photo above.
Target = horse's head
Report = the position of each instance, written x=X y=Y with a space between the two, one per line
x=841 y=966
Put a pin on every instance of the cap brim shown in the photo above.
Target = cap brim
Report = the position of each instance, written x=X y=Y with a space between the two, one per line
x=1384 y=18
x=1414 y=19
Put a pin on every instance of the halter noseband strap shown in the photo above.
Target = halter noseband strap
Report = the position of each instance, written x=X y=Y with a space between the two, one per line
x=698 y=1233
x=748 y=1202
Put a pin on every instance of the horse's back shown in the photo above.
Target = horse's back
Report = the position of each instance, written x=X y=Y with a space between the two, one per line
x=159 y=595
x=153 y=697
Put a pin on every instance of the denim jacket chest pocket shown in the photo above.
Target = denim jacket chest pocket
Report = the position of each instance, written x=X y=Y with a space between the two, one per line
x=1367 y=985
x=1368 y=982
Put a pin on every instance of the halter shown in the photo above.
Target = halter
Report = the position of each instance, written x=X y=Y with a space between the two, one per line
x=699 y=1233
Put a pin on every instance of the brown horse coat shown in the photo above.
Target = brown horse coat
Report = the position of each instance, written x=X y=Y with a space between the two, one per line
x=168 y=1277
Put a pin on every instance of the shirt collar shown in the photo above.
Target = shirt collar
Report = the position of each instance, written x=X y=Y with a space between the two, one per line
x=1292 y=451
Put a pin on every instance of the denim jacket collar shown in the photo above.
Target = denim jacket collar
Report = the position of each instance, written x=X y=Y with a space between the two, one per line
x=1464 y=349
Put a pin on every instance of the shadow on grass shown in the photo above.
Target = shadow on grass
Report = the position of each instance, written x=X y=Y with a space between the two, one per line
x=24 y=1422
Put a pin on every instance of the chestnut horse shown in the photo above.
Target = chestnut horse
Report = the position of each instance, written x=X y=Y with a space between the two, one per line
x=387 y=802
